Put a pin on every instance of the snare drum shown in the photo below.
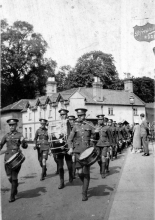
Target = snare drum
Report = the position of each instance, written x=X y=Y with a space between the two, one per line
x=89 y=156
x=15 y=161
x=59 y=150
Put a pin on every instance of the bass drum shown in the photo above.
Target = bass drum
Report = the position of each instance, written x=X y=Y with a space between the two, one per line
x=89 y=156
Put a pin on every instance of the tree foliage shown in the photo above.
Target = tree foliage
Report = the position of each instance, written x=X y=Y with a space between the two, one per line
x=95 y=63
x=24 y=69
x=144 y=88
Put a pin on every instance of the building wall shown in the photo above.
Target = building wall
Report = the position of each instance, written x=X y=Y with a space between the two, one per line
x=150 y=115
x=120 y=113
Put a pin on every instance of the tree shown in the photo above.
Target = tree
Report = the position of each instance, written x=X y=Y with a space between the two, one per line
x=144 y=88
x=24 y=69
x=95 y=63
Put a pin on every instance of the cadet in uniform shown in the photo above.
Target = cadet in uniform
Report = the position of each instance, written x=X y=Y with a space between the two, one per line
x=119 y=137
x=72 y=119
x=79 y=140
x=113 y=134
x=42 y=146
x=13 y=140
x=66 y=129
x=104 y=142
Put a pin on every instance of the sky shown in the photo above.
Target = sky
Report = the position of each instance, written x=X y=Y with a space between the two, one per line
x=75 y=27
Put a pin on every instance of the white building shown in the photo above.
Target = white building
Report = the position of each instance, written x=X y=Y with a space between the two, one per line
x=114 y=104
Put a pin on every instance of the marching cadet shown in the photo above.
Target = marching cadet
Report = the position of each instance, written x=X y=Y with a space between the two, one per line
x=108 y=150
x=113 y=131
x=104 y=142
x=119 y=137
x=72 y=119
x=66 y=129
x=13 y=140
x=116 y=139
x=79 y=140
x=42 y=145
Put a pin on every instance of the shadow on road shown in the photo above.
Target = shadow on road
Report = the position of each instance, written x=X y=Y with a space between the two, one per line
x=28 y=177
x=51 y=175
x=5 y=190
x=32 y=193
x=99 y=190
x=114 y=169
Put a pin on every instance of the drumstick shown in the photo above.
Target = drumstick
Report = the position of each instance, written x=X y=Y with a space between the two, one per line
x=58 y=147
x=3 y=152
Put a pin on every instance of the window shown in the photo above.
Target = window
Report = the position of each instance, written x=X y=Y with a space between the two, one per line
x=50 y=112
x=30 y=133
x=110 y=111
x=30 y=114
x=25 y=133
x=135 y=111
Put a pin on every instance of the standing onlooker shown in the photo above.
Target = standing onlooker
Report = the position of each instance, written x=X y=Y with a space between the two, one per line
x=144 y=131
x=136 y=139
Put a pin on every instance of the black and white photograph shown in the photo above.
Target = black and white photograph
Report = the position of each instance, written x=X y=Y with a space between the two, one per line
x=77 y=106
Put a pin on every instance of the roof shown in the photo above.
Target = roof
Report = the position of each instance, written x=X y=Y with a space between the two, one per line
x=150 y=105
x=16 y=106
x=111 y=97
x=53 y=97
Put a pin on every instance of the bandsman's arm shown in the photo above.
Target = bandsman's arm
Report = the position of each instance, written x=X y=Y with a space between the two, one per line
x=35 y=139
x=23 y=142
x=109 y=133
x=2 y=142
x=71 y=137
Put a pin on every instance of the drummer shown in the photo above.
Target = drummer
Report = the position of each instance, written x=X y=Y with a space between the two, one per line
x=103 y=143
x=66 y=129
x=13 y=140
x=78 y=141
x=42 y=146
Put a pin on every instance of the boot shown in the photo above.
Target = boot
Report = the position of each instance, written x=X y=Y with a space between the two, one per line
x=61 y=174
x=85 y=187
x=107 y=165
x=81 y=176
x=16 y=188
x=57 y=171
x=43 y=173
x=103 y=174
x=13 y=191
x=100 y=164
x=71 y=175
x=74 y=171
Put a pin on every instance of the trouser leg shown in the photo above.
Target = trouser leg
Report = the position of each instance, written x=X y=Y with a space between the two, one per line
x=69 y=163
x=100 y=164
x=107 y=164
x=60 y=159
x=74 y=165
x=145 y=144
x=56 y=161
x=39 y=156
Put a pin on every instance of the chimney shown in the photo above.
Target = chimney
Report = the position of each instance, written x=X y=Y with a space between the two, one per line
x=128 y=83
x=97 y=90
x=37 y=94
x=51 y=86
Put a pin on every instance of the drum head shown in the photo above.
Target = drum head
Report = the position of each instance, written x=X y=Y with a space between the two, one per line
x=86 y=153
x=12 y=157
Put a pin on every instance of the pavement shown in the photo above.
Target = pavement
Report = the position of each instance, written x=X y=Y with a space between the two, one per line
x=133 y=198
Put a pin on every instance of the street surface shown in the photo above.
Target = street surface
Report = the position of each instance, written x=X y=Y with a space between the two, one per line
x=39 y=200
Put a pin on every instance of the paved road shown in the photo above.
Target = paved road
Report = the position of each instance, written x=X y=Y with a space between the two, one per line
x=38 y=200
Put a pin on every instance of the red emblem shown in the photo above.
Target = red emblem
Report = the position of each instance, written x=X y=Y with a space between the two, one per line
x=145 y=32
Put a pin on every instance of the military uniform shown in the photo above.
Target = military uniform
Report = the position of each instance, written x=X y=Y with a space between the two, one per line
x=104 y=142
x=119 y=137
x=144 y=132
x=13 y=140
x=79 y=140
x=114 y=148
x=42 y=146
x=62 y=156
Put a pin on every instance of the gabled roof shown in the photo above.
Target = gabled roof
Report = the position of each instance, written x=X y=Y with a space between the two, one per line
x=16 y=106
x=110 y=97
x=52 y=98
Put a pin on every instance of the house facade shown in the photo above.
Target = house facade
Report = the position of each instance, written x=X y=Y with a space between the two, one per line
x=114 y=104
